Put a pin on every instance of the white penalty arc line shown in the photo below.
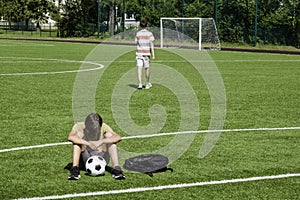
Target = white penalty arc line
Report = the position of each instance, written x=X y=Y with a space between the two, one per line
x=99 y=66
x=62 y=72
x=164 y=187
x=158 y=135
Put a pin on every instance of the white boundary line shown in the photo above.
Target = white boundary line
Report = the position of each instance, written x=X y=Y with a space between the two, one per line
x=163 y=187
x=212 y=131
x=202 y=61
x=222 y=61
x=10 y=44
x=158 y=135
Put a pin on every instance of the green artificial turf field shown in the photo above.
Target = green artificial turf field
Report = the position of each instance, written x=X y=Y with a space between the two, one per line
x=251 y=98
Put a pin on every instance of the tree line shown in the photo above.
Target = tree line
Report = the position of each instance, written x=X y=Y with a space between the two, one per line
x=239 y=21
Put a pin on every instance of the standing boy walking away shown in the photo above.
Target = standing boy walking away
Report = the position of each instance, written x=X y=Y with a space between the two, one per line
x=94 y=138
x=144 y=49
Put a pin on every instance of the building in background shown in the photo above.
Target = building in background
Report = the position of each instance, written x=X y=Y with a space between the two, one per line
x=130 y=21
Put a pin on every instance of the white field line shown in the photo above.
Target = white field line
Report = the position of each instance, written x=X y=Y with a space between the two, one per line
x=99 y=66
x=212 y=131
x=10 y=44
x=200 y=61
x=158 y=135
x=163 y=187
x=46 y=73
x=224 y=61
x=156 y=61
x=27 y=43
x=33 y=147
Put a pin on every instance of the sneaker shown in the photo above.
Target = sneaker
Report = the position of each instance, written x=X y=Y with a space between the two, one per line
x=148 y=86
x=75 y=173
x=140 y=86
x=117 y=173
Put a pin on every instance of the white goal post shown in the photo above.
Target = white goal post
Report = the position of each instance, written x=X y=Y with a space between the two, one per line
x=195 y=33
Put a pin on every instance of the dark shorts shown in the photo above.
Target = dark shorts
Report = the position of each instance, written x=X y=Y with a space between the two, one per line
x=86 y=154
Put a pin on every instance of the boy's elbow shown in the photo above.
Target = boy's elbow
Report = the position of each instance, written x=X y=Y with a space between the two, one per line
x=70 y=138
x=118 y=138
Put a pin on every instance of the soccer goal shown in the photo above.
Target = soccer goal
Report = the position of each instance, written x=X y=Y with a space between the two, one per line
x=196 y=33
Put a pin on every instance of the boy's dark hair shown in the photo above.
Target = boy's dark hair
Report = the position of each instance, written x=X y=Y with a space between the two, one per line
x=93 y=123
x=143 y=23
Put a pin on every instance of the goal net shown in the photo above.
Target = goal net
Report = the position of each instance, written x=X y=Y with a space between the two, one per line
x=196 y=33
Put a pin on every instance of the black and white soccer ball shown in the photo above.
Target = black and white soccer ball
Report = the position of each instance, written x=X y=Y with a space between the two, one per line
x=95 y=165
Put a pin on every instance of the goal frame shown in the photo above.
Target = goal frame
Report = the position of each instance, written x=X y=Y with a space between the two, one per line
x=185 y=18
